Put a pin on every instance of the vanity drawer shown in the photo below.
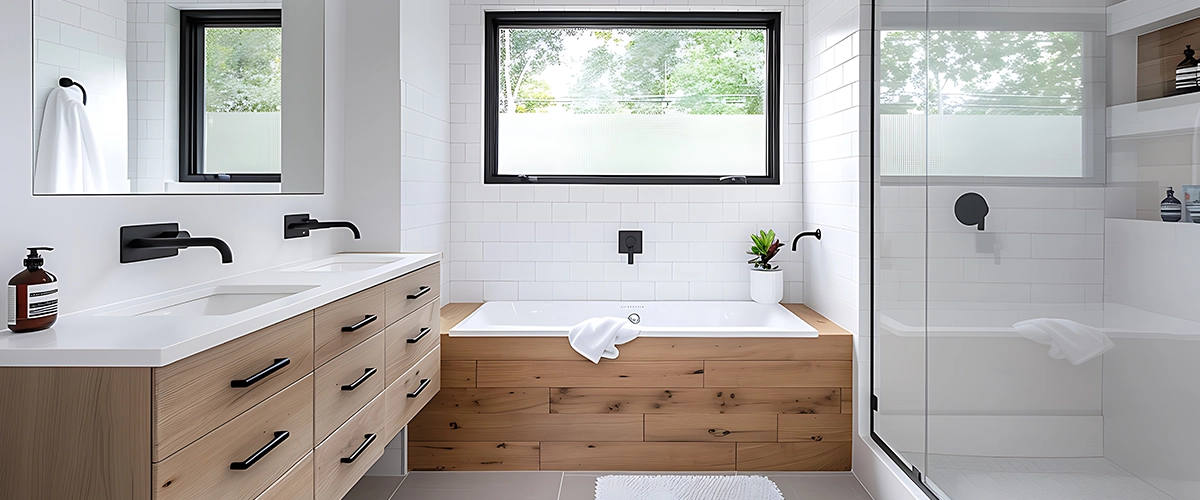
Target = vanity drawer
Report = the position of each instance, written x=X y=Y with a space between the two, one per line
x=196 y=395
x=296 y=484
x=343 y=324
x=343 y=458
x=205 y=469
x=413 y=290
x=337 y=396
x=400 y=407
x=411 y=338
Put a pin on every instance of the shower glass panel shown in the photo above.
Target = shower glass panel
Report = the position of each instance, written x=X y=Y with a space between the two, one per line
x=900 y=214
x=1034 y=331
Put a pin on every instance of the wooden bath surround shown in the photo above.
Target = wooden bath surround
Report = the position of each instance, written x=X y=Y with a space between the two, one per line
x=666 y=404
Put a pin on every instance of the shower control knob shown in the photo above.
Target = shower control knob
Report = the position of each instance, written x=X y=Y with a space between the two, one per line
x=971 y=209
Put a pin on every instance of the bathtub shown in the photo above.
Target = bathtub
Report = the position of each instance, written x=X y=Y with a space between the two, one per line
x=656 y=319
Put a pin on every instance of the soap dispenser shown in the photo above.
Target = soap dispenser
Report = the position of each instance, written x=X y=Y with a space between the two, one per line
x=32 y=296
x=1171 y=208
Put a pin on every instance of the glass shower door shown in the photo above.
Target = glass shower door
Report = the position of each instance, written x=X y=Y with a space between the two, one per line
x=899 y=234
x=1016 y=192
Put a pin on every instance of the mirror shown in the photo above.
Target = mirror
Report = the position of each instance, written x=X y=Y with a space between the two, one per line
x=166 y=96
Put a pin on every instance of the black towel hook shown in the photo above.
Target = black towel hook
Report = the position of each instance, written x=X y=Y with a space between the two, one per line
x=67 y=82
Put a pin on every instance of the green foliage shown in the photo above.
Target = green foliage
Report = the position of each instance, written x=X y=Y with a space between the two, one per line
x=728 y=65
x=534 y=96
x=524 y=54
x=764 y=246
x=243 y=70
x=646 y=71
x=982 y=72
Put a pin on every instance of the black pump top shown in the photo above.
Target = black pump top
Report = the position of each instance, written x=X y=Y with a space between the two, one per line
x=1189 y=59
x=34 y=261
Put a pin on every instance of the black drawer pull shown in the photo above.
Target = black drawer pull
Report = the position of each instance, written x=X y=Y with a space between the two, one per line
x=424 y=384
x=424 y=332
x=363 y=447
x=278 y=365
x=423 y=290
x=354 y=385
x=366 y=321
x=280 y=437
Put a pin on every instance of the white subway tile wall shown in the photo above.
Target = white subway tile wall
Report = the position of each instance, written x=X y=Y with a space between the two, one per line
x=557 y=242
x=836 y=154
x=425 y=175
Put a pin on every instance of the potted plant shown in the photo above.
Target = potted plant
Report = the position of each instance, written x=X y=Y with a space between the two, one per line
x=766 y=279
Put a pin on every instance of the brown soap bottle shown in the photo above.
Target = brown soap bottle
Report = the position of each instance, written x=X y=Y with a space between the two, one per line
x=32 y=296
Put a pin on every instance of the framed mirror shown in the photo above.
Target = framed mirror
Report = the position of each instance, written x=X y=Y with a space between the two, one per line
x=178 y=97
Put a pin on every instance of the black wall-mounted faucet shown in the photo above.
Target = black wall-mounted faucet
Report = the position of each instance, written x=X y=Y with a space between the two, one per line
x=629 y=243
x=298 y=226
x=796 y=242
x=158 y=241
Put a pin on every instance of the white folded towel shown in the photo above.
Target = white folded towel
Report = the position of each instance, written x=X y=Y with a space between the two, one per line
x=1069 y=340
x=599 y=337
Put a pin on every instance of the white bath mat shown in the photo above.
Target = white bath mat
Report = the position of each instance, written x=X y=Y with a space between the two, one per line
x=686 y=488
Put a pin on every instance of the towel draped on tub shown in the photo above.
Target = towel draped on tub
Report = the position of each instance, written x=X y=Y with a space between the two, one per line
x=1069 y=340
x=599 y=337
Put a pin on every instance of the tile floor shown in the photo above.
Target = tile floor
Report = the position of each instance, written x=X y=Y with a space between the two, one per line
x=567 y=486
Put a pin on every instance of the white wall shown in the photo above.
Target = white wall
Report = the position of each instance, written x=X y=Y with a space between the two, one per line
x=397 y=123
x=543 y=242
x=84 y=229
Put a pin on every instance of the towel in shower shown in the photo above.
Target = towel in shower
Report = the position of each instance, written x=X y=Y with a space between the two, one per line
x=68 y=156
x=599 y=337
x=1069 y=340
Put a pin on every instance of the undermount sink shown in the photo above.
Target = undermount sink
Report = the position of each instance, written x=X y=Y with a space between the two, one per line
x=214 y=301
x=343 y=264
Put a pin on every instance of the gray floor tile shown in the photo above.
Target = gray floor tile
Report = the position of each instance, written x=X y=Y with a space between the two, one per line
x=374 y=488
x=802 y=486
x=480 y=486
x=578 y=486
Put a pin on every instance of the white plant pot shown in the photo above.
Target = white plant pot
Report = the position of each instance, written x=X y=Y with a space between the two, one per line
x=766 y=287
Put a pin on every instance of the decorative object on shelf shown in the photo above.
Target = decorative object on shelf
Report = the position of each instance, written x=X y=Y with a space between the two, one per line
x=766 y=279
x=1172 y=209
x=1159 y=70
x=1187 y=73
x=1191 y=202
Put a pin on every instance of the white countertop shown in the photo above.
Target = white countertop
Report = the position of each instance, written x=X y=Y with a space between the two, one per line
x=97 y=337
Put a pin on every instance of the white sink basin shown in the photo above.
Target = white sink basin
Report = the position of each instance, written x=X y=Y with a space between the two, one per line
x=214 y=301
x=343 y=264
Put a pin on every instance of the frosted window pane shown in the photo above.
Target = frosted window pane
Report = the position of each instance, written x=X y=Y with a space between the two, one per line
x=632 y=102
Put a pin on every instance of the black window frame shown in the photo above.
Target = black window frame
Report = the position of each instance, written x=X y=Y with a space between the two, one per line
x=191 y=86
x=495 y=21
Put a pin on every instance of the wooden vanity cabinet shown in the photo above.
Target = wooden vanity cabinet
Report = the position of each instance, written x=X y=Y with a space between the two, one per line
x=274 y=414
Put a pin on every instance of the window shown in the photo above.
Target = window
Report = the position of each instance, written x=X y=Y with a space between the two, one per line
x=230 y=95
x=631 y=97
x=945 y=96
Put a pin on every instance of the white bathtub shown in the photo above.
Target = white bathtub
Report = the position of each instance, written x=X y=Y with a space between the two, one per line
x=656 y=319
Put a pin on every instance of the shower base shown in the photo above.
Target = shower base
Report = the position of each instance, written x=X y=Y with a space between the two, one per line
x=983 y=478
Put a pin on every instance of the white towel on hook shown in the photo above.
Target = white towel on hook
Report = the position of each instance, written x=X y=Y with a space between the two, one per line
x=68 y=155
x=1069 y=340
x=599 y=337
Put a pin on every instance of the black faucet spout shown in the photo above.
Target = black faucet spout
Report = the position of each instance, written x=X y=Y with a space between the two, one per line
x=796 y=242
x=298 y=226
x=156 y=241
x=182 y=239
